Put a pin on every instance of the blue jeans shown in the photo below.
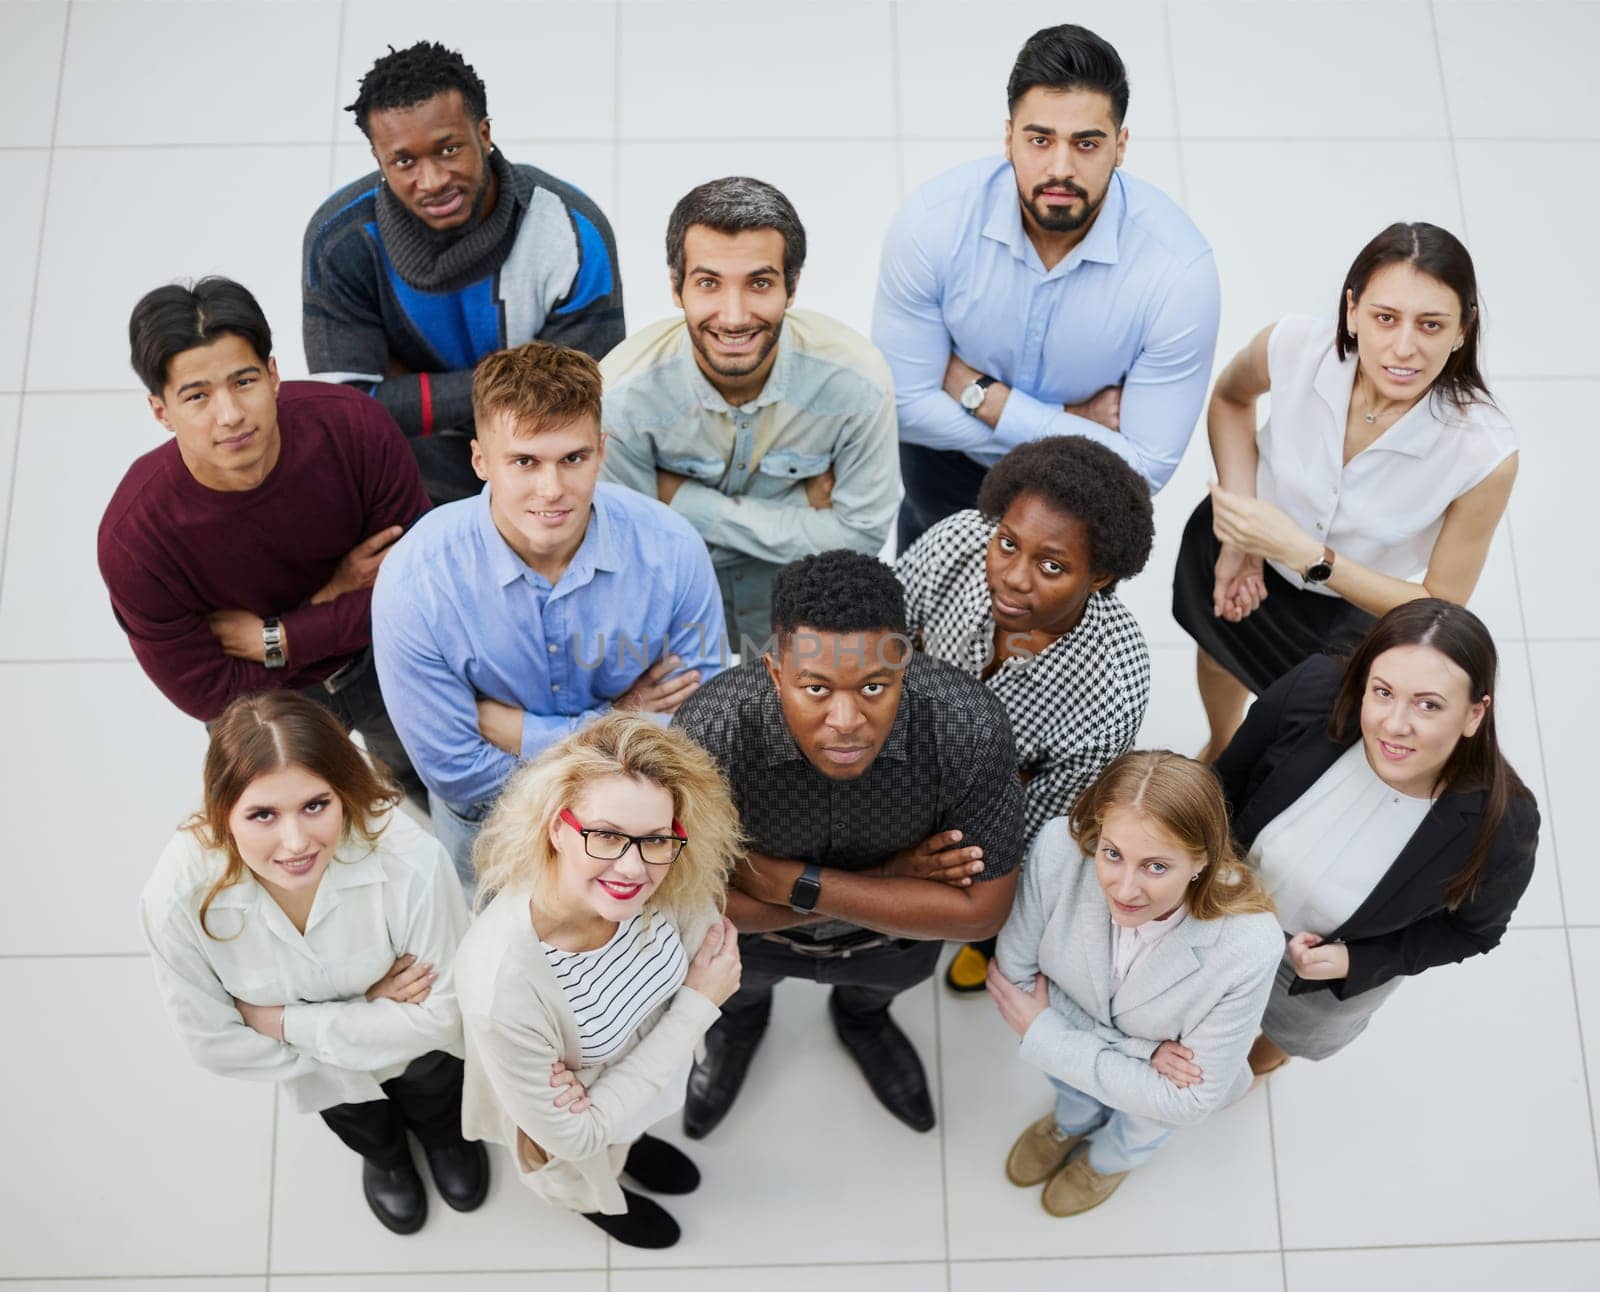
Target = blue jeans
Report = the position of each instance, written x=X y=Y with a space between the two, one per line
x=457 y=830
x=1118 y=1141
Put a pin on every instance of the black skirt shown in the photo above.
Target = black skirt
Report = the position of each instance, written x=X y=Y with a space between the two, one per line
x=1284 y=629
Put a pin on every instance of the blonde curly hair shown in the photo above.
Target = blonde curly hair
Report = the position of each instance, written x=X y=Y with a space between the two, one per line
x=514 y=847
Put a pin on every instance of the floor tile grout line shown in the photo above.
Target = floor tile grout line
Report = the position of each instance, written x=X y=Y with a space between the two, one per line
x=333 y=123
x=1277 y=1193
x=33 y=301
x=272 y=1182
x=897 y=104
x=944 y=1169
x=1177 y=116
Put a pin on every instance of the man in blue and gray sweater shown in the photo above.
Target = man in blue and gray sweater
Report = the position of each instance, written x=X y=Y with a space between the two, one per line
x=447 y=253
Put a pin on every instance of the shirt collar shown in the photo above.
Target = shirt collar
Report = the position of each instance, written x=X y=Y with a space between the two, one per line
x=710 y=398
x=355 y=863
x=1004 y=224
x=598 y=551
x=1153 y=930
x=1413 y=435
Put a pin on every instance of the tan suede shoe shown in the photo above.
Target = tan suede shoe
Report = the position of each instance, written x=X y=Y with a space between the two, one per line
x=1039 y=1152
x=1079 y=1187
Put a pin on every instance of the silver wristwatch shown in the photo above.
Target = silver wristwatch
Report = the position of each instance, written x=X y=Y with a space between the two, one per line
x=272 y=642
x=972 y=395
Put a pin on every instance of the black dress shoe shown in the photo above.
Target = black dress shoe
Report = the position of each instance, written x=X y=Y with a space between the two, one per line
x=889 y=1062
x=715 y=1079
x=659 y=1167
x=461 y=1172
x=396 y=1196
x=646 y=1224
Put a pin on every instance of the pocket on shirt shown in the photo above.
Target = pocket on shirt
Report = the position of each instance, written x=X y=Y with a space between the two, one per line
x=788 y=465
x=695 y=468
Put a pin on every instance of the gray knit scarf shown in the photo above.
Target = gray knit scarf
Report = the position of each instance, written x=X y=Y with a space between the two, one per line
x=443 y=260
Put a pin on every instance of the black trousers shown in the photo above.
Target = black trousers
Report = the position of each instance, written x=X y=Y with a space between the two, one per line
x=352 y=696
x=863 y=982
x=425 y=1099
x=938 y=483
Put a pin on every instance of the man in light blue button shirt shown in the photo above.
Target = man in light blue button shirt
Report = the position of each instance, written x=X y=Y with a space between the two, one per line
x=503 y=622
x=1045 y=293
x=771 y=430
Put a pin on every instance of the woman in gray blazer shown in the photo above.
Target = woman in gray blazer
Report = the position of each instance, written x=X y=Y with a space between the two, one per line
x=1135 y=966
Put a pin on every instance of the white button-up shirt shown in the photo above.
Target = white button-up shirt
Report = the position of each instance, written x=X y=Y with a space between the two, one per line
x=374 y=904
x=1384 y=508
x=1129 y=946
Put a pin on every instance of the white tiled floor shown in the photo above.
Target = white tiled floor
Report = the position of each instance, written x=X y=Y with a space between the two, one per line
x=145 y=139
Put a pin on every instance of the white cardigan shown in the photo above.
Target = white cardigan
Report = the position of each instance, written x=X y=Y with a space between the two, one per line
x=1205 y=984
x=374 y=904
x=518 y=1022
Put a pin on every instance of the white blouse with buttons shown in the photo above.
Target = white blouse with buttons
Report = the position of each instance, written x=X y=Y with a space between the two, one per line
x=374 y=904
x=1384 y=508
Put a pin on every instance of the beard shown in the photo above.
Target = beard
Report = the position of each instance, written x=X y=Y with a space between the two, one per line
x=743 y=365
x=1063 y=219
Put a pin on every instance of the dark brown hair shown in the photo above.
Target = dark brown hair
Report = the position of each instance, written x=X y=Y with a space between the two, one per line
x=1476 y=763
x=260 y=734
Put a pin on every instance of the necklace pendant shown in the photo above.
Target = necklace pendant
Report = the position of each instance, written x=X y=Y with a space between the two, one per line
x=1372 y=418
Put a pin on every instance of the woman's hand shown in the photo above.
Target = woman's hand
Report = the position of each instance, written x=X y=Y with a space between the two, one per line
x=1175 y=1063
x=714 y=971
x=1260 y=529
x=1316 y=960
x=572 y=1096
x=266 y=1019
x=1241 y=584
x=1019 y=1008
x=407 y=981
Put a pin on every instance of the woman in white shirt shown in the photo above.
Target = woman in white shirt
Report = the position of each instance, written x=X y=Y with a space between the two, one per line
x=596 y=964
x=1379 y=477
x=1135 y=966
x=303 y=932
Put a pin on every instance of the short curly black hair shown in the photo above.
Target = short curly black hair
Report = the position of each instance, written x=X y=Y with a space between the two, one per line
x=403 y=78
x=837 y=592
x=1079 y=478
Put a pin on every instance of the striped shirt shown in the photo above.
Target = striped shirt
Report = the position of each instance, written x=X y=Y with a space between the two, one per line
x=614 y=988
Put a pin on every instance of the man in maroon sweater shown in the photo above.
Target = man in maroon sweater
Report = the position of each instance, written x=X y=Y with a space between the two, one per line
x=240 y=556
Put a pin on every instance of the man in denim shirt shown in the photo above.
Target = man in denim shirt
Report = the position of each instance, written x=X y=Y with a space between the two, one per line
x=771 y=431
x=503 y=622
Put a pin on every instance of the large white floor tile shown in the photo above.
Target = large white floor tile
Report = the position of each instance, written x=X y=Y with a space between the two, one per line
x=1493 y=52
x=718 y=69
x=1210 y=1185
x=1557 y=468
x=118 y=1284
x=181 y=213
x=1149 y=593
x=1517 y=725
x=1256 y=68
x=1175 y=719
x=1249 y=1272
x=455 y=1281
x=22 y=178
x=123 y=807
x=30 y=67
x=1438 y=1125
x=193 y=72
x=548 y=69
x=127 y=1158
x=792 y=1278
x=1585 y=947
x=954 y=71
x=1286 y=218
x=808 y=1166
x=74 y=451
x=10 y=406
x=1550 y=1267
x=321 y=1223
x=1568 y=693
x=844 y=222
x=1529 y=283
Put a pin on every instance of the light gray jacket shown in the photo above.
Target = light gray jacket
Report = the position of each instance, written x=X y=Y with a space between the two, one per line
x=1205 y=984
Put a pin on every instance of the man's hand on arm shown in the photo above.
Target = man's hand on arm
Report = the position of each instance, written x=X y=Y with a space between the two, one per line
x=358 y=568
x=501 y=725
x=1103 y=407
x=239 y=633
x=958 y=375
x=657 y=692
x=667 y=485
x=819 y=491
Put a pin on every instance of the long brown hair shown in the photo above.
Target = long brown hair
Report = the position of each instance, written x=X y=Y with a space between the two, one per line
x=1476 y=762
x=260 y=734
x=1184 y=799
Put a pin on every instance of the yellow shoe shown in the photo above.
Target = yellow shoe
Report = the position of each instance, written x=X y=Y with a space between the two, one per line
x=1078 y=1187
x=967 y=971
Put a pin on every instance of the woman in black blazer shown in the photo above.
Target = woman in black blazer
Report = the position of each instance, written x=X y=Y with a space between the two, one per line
x=1389 y=828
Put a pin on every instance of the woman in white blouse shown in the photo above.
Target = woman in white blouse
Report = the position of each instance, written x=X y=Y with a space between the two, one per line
x=1135 y=967
x=303 y=932
x=1379 y=477
x=598 y=961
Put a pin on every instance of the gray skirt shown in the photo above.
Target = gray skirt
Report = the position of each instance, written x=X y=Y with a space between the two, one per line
x=1317 y=1024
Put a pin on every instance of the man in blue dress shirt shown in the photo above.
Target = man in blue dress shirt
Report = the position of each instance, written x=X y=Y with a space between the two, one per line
x=503 y=622
x=1046 y=293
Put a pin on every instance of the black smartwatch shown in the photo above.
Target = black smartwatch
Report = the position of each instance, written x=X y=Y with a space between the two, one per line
x=807 y=888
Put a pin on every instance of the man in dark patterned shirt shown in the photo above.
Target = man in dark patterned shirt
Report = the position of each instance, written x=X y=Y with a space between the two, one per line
x=857 y=765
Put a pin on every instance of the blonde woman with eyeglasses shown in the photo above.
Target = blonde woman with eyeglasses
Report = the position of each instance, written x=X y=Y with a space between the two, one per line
x=598 y=960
